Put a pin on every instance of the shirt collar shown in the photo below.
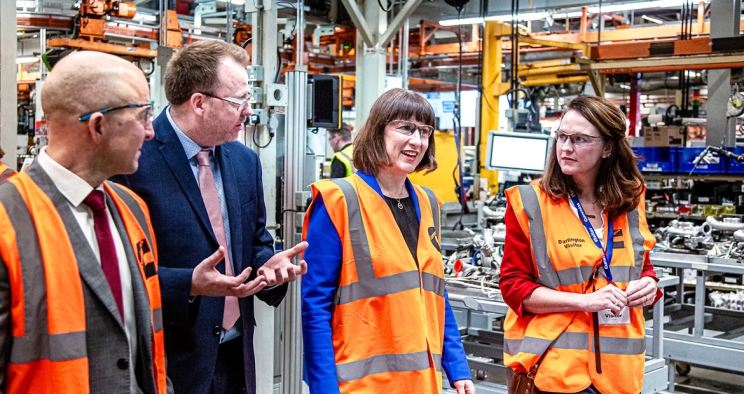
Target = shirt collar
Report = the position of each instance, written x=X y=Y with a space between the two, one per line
x=72 y=187
x=189 y=146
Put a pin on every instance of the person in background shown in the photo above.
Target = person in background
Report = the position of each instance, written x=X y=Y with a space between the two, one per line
x=5 y=171
x=80 y=307
x=375 y=315
x=205 y=193
x=341 y=162
x=576 y=272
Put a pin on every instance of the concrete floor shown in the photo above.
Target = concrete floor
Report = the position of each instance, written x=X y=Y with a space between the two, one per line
x=706 y=381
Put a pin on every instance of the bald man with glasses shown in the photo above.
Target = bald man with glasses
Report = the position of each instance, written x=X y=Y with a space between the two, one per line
x=80 y=307
x=205 y=193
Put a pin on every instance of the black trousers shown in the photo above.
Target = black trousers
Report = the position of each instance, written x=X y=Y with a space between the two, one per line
x=229 y=373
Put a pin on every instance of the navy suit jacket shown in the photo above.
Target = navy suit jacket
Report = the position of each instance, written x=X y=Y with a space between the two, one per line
x=184 y=238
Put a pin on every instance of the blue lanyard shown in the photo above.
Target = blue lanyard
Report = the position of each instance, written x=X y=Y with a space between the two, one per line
x=606 y=252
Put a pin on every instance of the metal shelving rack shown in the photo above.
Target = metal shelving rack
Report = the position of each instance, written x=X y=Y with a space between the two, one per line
x=711 y=333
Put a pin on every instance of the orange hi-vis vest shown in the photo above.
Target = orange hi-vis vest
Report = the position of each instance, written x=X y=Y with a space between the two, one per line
x=5 y=172
x=566 y=259
x=388 y=315
x=48 y=322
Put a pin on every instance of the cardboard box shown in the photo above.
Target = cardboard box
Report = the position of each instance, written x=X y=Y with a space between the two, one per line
x=662 y=136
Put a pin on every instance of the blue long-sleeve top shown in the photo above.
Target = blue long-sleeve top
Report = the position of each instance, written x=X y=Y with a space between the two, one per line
x=319 y=284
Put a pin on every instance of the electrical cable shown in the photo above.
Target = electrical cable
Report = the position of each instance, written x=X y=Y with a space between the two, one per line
x=458 y=128
x=248 y=41
x=390 y=5
x=254 y=132
x=279 y=66
x=479 y=79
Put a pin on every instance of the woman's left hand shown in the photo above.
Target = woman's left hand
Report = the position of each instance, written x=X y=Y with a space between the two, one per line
x=464 y=387
x=641 y=292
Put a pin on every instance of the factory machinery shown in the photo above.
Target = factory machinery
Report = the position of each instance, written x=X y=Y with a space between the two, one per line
x=701 y=327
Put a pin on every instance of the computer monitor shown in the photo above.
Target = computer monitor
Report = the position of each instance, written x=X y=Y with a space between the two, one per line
x=525 y=152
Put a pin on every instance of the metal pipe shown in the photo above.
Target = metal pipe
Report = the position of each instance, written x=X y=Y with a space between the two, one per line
x=294 y=168
x=42 y=49
x=300 y=35
x=404 y=54
x=684 y=232
x=229 y=19
x=716 y=225
x=739 y=235
x=163 y=31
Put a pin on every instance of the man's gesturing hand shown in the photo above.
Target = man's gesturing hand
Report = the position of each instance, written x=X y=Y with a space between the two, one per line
x=279 y=269
x=207 y=281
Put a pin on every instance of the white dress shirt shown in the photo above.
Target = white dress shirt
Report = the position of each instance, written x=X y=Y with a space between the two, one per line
x=75 y=190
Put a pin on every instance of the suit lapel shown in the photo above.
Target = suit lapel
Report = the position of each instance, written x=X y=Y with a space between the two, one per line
x=233 y=206
x=175 y=157
x=88 y=265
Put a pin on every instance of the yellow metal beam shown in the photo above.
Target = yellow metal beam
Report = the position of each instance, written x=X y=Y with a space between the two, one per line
x=550 y=70
x=492 y=89
x=555 y=44
x=554 y=80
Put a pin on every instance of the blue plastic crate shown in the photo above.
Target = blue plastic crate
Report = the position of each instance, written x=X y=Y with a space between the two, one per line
x=711 y=164
x=733 y=166
x=656 y=159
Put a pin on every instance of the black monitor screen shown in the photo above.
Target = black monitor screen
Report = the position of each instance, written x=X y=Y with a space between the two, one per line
x=326 y=101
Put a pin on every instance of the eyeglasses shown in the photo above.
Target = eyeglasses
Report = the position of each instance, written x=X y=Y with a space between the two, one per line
x=241 y=103
x=147 y=121
x=578 y=139
x=408 y=128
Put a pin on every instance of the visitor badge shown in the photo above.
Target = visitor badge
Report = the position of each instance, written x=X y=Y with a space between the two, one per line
x=607 y=318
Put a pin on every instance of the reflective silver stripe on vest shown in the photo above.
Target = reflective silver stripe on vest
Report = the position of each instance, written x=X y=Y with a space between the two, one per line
x=368 y=285
x=576 y=275
x=435 y=211
x=432 y=283
x=6 y=174
x=437 y=362
x=357 y=232
x=612 y=345
x=637 y=240
x=376 y=287
x=134 y=208
x=547 y=275
x=567 y=340
x=383 y=363
x=350 y=164
x=157 y=320
x=36 y=344
x=622 y=273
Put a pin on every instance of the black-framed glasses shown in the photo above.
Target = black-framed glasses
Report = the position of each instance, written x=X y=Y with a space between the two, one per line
x=148 y=112
x=240 y=102
x=408 y=128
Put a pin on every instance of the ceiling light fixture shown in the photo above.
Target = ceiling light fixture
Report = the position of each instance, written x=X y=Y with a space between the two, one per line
x=26 y=59
x=652 y=19
x=531 y=16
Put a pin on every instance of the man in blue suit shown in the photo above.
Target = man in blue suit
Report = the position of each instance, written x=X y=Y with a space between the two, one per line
x=205 y=193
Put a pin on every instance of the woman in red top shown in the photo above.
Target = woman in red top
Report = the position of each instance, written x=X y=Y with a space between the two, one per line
x=591 y=158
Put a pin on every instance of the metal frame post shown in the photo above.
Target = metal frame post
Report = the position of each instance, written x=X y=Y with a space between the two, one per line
x=264 y=50
x=294 y=168
x=725 y=14
x=8 y=85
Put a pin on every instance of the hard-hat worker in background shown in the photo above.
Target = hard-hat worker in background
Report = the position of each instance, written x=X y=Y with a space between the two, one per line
x=341 y=162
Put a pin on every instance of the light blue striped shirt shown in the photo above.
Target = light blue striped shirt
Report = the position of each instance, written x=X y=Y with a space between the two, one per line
x=192 y=148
